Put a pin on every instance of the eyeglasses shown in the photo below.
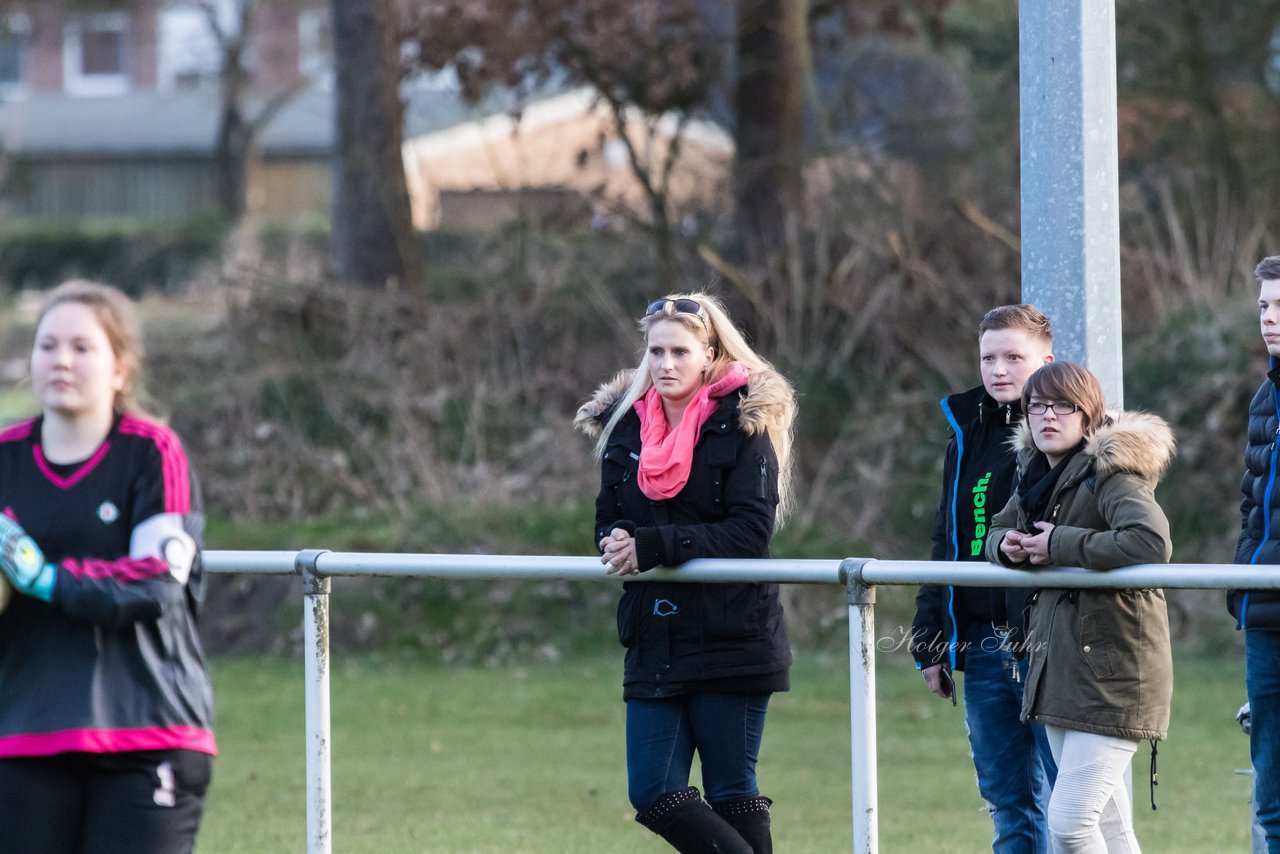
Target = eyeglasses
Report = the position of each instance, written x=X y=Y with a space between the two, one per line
x=1059 y=408
x=683 y=305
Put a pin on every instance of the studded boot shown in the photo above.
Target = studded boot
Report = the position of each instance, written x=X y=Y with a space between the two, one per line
x=690 y=826
x=750 y=817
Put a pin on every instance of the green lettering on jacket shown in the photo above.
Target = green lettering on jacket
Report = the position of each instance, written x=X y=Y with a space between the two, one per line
x=979 y=515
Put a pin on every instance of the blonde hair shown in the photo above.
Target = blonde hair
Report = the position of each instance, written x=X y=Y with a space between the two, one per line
x=1070 y=383
x=1027 y=318
x=715 y=329
x=116 y=315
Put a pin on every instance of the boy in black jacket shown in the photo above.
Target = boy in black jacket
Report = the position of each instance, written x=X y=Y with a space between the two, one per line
x=973 y=628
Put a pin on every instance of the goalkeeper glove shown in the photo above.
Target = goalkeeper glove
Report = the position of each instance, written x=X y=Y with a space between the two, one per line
x=23 y=563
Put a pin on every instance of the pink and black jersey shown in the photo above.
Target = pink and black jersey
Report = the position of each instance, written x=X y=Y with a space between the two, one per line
x=115 y=662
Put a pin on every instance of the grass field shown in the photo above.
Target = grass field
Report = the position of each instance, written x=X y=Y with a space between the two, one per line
x=432 y=759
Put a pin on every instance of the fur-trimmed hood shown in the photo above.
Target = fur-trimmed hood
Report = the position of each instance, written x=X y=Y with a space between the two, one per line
x=1134 y=442
x=767 y=396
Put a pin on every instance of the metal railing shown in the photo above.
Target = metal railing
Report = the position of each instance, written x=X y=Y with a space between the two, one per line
x=858 y=576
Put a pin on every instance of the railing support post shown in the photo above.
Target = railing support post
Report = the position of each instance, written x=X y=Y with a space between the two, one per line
x=862 y=704
x=315 y=629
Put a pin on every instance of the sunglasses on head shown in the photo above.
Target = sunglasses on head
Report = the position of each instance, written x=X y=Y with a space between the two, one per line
x=683 y=305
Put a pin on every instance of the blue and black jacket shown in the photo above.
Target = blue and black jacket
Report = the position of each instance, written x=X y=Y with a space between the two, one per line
x=977 y=479
x=1259 y=515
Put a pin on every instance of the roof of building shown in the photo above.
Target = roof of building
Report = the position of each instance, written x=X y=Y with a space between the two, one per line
x=185 y=124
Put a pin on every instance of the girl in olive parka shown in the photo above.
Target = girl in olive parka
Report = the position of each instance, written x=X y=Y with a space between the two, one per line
x=1101 y=674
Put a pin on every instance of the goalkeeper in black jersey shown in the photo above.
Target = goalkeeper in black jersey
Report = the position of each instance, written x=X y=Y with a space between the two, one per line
x=106 y=708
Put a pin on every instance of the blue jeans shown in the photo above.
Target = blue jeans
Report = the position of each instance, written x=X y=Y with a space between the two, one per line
x=1013 y=760
x=1262 y=679
x=725 y=730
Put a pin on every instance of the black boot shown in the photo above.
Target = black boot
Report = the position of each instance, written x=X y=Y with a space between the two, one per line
x=750 y=817
x=690 y=826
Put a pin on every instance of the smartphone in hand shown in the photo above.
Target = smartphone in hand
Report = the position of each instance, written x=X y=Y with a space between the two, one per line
x=947 y=684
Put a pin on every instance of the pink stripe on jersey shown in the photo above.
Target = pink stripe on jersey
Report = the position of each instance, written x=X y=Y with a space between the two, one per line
x=77 y=475
x=109 y=741
x=121 y=569
x=177 y=483
x=15 y=432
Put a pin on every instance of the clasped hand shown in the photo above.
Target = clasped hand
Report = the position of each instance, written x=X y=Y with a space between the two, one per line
x=619 y=553
x=1020 y=547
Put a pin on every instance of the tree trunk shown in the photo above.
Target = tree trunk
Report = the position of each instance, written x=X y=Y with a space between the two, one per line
x=231 y=153
x=772 y=57
x=373 y=239
x=235 y=134
x=231 y=167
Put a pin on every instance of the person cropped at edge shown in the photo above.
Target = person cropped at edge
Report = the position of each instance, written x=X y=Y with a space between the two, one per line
x=1257 y=612
x=1101 y=674
x=106 y=721
x=695 y=450
x=976 y=629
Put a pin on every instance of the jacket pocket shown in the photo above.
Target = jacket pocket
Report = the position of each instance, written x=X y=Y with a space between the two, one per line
x=1097 y=643
x=732 y=611
x=616 y=465
x=629 y=616
x=768 y=474
x=1104 y=631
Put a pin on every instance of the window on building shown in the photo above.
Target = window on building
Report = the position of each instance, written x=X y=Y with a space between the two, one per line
x=188 y=56
x=94 y=55
x=315 y=44
x=14 y=33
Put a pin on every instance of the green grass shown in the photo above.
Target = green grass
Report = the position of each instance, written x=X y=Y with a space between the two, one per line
x=530 y=759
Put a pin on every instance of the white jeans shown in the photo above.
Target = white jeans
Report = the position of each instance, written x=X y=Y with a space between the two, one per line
x=1089 y=811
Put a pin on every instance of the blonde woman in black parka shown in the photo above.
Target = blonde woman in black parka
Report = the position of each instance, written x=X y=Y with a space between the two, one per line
x=1101 y=675
x=695 y=450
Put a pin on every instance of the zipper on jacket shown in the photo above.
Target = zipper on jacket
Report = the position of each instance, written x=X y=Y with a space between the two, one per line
x=955 y=529
x=955 y=626
x=626 y=472
x=955 y=481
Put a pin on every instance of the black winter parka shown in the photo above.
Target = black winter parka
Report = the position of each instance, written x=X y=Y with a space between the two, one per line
x=1259 y=541
x=683 y=638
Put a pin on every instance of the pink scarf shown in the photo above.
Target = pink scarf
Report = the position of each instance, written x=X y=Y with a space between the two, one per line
x=666 y=455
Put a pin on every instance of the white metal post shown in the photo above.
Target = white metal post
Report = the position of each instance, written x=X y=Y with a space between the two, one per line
x=316 y=653
x=862 y=706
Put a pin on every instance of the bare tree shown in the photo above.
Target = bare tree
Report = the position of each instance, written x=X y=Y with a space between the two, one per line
x=647 y=60
x=238 y=126
x=373 y=239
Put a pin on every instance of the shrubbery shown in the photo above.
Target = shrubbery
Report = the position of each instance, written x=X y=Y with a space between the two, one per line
x=137 y=258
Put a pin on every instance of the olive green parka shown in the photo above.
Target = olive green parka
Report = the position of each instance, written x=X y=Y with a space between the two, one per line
x=1100 y=659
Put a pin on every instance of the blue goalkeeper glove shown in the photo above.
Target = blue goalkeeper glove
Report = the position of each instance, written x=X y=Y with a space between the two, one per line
x=23 y=563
